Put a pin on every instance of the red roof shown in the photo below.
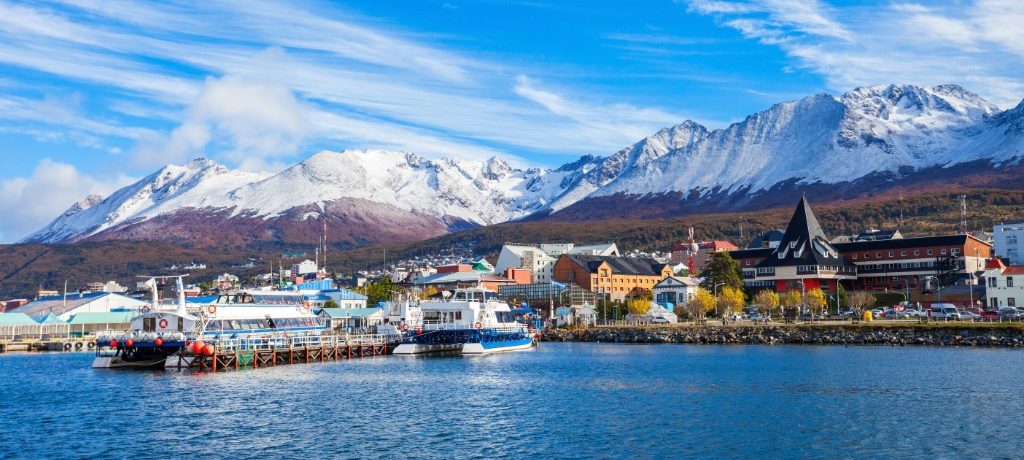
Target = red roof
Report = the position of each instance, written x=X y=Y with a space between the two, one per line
x=1014 y=270
x=719 y=245
x=994 y=264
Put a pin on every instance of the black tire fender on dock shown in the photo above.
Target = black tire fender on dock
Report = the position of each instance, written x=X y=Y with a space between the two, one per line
x=92 y=345
x=78 y=345
x=67 y=346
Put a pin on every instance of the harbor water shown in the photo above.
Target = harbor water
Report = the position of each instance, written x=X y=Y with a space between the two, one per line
x=569 y=400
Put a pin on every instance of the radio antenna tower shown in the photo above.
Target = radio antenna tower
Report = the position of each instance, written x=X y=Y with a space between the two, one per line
x=963 y=215
x=693 y=252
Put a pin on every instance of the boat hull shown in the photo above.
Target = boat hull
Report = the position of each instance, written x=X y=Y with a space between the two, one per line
x=483 y=348
x=424 y=348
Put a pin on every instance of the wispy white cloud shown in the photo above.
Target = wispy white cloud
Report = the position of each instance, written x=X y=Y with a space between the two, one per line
x=27 y=203
x=977 y=44
x=386 y=80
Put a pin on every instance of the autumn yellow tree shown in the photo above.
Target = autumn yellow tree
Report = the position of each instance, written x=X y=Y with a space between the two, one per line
x=791 y=299
x=767 y=299
x=701 y=303
x=731 y=300
x=428 y=292
x=639 y=306
x=815 y=300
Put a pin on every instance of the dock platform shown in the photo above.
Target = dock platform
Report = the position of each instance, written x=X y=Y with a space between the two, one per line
x=235 y=354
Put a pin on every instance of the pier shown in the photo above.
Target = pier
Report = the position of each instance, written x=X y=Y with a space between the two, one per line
x=234 y=354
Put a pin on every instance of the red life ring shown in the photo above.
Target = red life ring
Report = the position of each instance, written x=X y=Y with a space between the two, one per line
x=163 y=323
x=211 y=309
x=479 y=325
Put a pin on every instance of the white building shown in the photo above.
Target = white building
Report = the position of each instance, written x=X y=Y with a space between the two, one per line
x=676 y=290
x=305 y=267
x=1009 y=242
x=540 y=258
x=75 y=303
x=1004 y=285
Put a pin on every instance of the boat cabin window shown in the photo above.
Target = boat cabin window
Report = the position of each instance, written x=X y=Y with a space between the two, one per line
x=503 y=316
x=148 y=324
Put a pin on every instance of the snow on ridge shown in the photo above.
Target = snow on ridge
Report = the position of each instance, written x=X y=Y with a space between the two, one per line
x=820 y=138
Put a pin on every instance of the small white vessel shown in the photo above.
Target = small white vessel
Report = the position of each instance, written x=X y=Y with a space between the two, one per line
x=470 y=321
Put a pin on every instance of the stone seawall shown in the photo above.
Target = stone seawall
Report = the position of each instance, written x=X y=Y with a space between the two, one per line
x=928 y=335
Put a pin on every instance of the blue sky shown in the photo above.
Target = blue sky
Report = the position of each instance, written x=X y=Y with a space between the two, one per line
x=95 y=94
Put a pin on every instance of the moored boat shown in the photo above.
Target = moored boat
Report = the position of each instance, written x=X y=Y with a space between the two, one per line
x=469 y=321
x=159 y=335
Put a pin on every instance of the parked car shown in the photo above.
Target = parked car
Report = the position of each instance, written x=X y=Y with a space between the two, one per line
x=914 y=313
x=989 y=314
x=1009 y=313
x=968 y=315
x=945 y=311
x=659 y=320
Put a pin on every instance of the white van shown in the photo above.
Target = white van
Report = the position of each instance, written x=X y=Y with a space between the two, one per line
x=945 y=311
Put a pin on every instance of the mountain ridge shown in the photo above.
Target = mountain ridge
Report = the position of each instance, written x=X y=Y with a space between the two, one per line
x=870 y=137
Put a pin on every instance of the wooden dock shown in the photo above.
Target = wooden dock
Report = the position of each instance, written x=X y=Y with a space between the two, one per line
x=234 y=354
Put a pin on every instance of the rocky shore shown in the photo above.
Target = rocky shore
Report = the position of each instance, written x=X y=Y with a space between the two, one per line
x=927 y=335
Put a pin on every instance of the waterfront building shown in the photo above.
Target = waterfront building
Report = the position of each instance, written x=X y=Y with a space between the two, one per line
x=618 y=277
x=74 y=303
x=879 y=261
x=540 y=258
x=1004 y=284
x=767 y=240
x=803 y=260
x=675 y=290
x=1009 y=242
x=462 y=275
x=543 y=294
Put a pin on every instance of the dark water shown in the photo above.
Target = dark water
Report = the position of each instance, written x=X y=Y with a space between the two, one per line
x=560 y=401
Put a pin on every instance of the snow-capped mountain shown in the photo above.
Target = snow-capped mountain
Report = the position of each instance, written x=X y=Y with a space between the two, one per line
x=871 y=138
x=376 y=188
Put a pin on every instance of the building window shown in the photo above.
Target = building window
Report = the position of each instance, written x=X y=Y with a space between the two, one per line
x=604 y=272
x=992 y=282
x=1009 y=281
x=854 y=256
x=1011 y=239
x=930 y=252
x=903 y=253
x=955 y=251
x=891 y=254
x=1011 y=302
x=878 y=255
x=867 y=256
x=917 y=252
x=993 y=302
x=942 y=251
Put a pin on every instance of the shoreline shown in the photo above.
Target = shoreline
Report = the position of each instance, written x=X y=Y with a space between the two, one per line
x=931 y=334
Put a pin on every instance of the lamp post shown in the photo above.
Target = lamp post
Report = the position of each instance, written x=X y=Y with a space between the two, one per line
x=716 y=296
x=64 y=303
x=938 y=288
x=970 y=287
x=803 y=293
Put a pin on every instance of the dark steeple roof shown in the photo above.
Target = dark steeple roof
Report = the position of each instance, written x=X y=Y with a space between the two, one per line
x=804 y=243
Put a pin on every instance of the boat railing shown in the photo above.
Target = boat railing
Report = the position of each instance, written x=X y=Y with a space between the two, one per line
x=299 y=341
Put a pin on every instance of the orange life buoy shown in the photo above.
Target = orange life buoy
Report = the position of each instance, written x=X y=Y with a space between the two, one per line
x=479 y=325
x=305 y=305
x=211 y=309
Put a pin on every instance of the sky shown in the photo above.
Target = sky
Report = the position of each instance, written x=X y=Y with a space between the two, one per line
x=96 y=94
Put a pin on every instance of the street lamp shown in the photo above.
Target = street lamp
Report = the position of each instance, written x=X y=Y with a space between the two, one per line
x=970 y=287
x=716 y=296
x=64 y=303
x=938 y=288
x=803 y=293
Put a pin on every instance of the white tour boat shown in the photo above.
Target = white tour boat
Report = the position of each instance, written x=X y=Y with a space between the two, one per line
x=471 y=321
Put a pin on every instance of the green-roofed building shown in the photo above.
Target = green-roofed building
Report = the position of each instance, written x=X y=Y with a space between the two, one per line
x=89 y=322
x=14 y=326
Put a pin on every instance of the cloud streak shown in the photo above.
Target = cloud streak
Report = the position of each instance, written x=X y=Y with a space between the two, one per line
x=976 y=45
